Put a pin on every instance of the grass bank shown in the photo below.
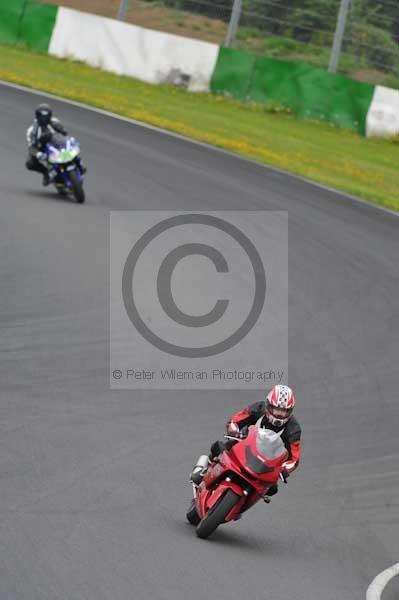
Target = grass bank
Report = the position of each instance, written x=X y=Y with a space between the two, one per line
x=368 y=168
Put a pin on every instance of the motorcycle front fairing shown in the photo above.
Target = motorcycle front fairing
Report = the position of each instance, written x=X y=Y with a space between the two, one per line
x=261 y=454
x=249 y=468
x=63 y=156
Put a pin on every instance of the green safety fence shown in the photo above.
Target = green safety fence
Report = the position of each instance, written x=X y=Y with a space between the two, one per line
x=27 y=23
x=310 y=93
x=233 y=73
x=10 y=17
x=37 y=25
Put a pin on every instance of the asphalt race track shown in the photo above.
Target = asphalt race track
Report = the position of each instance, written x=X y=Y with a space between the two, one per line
x=94 y=483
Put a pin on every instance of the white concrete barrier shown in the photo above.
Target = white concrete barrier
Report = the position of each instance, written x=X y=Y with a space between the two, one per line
x=125 y=49
x=383 y=114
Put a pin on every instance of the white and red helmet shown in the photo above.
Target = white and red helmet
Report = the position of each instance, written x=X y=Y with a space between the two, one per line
x=280 y=400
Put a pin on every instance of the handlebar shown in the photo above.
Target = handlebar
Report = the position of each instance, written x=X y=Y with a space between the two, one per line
x=239 y=436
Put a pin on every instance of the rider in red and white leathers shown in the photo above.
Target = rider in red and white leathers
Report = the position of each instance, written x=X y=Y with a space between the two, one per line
x=276 y=414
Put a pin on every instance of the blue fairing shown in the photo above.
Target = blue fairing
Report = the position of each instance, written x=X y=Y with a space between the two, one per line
x=63 y=155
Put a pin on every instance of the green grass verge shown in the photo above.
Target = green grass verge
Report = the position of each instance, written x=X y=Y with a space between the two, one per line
x=367 y=168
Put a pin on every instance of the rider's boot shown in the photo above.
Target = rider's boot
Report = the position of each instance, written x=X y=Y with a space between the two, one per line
x=272 y=491
x=200 y=469
x=46 y=178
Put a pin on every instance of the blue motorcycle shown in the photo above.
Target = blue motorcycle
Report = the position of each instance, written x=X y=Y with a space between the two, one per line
x=65 y=167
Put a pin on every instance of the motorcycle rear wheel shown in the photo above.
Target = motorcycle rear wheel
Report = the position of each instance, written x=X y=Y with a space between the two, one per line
x=77 y=188
x=217 y=514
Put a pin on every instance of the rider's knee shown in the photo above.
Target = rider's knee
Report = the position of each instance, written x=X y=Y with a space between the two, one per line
x=32 y=163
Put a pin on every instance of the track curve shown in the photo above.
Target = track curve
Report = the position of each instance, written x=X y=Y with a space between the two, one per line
x=93 y=490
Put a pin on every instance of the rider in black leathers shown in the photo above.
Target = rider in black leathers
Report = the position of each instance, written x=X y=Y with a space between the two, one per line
x=38 y=135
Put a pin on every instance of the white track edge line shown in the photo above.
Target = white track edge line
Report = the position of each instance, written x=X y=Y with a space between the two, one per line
x=101 y=111
x=379 y=583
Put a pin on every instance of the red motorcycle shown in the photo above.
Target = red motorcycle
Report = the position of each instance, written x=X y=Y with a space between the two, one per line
x=239 y=478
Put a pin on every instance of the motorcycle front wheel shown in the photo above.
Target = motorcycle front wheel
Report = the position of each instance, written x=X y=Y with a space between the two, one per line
x=217 y=514
x=77 y=187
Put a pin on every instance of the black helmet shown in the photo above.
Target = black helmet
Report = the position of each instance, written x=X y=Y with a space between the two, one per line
x=43 y=114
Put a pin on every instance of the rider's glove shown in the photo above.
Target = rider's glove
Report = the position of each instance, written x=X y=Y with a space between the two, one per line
x=41 y=156
x=233 y=429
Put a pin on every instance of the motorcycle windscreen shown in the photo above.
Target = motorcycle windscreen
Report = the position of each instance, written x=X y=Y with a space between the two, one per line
x=59 y=141
x=269 y=444
x=262 y=452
